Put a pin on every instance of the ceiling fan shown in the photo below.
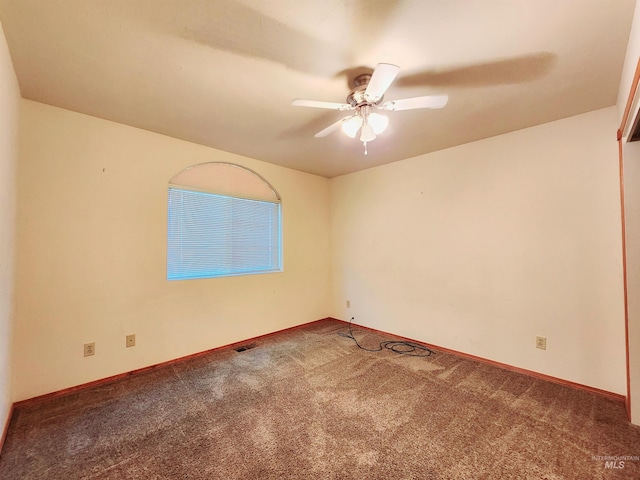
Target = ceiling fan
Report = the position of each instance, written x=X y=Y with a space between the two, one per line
x=368 y=94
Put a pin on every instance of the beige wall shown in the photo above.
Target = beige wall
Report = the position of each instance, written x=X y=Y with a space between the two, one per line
x=9 y=109
x=92 y=254
x=481 y=247
x=630 y=62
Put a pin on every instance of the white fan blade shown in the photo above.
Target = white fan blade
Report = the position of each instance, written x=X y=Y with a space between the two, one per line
x=429 y=101
x=317 y=104
x=331 y=128
x=381 y=79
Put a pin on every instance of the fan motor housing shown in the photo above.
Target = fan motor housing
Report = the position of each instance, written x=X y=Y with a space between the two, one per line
x=356 y=97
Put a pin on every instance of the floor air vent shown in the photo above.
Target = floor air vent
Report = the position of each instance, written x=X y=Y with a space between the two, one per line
x=245 y=347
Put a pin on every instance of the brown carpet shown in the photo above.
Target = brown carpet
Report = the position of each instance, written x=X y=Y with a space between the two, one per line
x=309 y=404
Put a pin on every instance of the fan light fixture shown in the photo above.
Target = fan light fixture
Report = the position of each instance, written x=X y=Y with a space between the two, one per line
x=368 y=93
x=351 y=125
x=368 y=124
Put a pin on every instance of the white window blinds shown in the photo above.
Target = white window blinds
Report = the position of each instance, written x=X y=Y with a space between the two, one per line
x=212 y=235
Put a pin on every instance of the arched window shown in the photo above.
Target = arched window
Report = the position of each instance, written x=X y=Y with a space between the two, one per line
x=223 y=220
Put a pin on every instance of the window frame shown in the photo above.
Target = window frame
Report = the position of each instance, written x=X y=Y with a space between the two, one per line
x=238 y=233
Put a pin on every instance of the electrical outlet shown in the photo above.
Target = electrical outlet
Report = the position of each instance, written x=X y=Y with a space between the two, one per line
x=541 y=343
x=131 y=341
x=348 y=303
x=89 y=349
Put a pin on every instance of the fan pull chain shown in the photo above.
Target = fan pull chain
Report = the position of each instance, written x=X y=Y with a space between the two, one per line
x=365 y=147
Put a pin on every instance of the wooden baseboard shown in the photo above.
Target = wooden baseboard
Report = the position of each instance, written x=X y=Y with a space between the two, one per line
x=84 y=386
x=614 y=396
x=113 y=378
x=6 y=427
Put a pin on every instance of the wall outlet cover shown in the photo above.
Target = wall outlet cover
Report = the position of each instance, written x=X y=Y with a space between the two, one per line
x=89 y=349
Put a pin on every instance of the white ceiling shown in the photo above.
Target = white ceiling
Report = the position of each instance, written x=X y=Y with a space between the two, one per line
x=223 y=73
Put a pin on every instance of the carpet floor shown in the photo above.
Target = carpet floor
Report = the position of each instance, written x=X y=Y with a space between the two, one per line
x=308 y=404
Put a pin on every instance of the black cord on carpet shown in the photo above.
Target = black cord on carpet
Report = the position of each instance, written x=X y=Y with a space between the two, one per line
x=403 y=348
